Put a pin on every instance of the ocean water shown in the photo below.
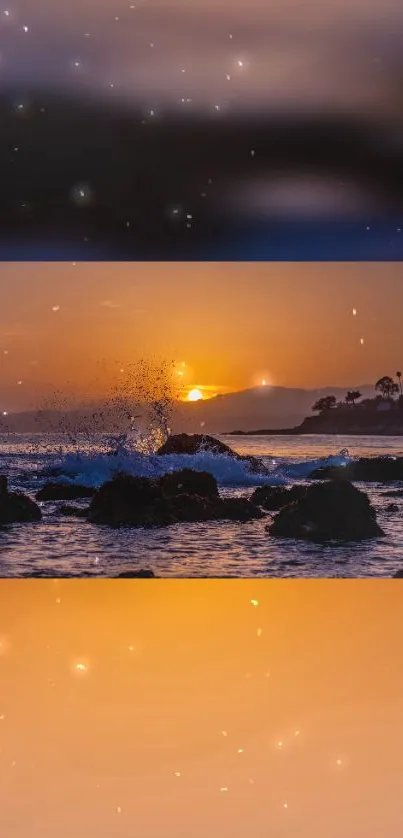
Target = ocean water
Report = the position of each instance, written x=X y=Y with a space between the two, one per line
x=59 y=546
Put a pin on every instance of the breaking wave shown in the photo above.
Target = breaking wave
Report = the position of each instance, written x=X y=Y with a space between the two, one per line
x=93 y=469
x=300 y=471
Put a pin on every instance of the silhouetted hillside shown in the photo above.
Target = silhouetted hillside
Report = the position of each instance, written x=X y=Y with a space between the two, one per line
x=260 y=407
x=373 y=417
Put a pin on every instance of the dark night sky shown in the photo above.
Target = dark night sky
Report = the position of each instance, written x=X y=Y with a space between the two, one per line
x=185 y=130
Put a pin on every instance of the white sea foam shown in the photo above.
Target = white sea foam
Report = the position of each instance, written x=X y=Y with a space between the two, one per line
x=94 y=469
x=300 y=471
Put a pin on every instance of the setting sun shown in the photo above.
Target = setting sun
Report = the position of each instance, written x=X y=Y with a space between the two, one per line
x=195 y=395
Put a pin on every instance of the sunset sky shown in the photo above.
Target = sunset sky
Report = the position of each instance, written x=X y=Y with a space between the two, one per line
x=222 y=709
x=73 y=328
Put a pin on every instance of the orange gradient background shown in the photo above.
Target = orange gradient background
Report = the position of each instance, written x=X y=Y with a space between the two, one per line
x=216 y=708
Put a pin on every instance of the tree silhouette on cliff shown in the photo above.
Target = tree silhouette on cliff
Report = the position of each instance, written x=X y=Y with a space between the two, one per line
x=352 y=396
x=325 y=403
x=387 y=387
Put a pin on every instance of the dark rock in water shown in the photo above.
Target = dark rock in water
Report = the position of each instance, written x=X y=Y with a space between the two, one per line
x=396 y=493
x=189 y=482
x=130 y=501
x=334 y=511
x=16 y=507
x=238 y=509
x=254 y=465
x=392 y=507
x=194 y=443
x=273 y=498
x=191 y=444
x=73 y=511
x=64 y=491
x=398 y=574
x=366 y=469
x=191 y=508
x=136 y=574
x=140 y=502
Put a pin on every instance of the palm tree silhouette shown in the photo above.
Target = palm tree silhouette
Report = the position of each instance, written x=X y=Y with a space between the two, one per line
x=352 y=396
x=387 y=387
x=399 y=376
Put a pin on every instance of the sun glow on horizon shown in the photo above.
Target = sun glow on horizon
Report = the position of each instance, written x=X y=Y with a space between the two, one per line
x=195 y=395
x=262 y=378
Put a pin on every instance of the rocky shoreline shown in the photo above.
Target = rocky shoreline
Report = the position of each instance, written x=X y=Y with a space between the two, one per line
x=346 y=422
x=328 y=507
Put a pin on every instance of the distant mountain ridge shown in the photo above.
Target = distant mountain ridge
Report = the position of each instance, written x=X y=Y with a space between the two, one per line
x=259 y=407
x=250 y=409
